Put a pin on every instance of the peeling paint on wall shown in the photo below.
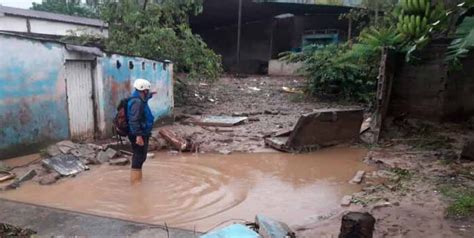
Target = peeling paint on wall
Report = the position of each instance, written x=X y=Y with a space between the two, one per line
x=33 y=101
x=32 y=92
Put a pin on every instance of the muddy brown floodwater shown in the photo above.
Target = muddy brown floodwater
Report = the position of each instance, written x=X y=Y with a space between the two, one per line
x=199 y=191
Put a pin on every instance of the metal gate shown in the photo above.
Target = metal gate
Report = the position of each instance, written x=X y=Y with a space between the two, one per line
x=80 y=98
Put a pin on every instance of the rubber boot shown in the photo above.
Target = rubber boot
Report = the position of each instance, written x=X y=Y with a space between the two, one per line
x=136 y=176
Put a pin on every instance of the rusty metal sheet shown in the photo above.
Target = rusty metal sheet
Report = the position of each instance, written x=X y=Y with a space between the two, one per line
x=321 y=128
x=222 y=121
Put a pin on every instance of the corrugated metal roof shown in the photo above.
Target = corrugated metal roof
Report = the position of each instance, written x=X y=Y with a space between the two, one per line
x=51 y=16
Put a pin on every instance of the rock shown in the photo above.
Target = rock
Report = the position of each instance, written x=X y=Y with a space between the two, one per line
x=150 y=155
x=269 y=228
x=50 y=179
x=53 y=150
x=232 y=231
x=66 y=143
x=224 y=151
x=468 y=151
x=119 y=162
x=357 y=225
x=105 y=156
x=346 y=201
x=95 y=147
x=17 y=183
x=358 y=177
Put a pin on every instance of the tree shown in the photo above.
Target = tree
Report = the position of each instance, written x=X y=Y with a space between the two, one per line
x=160 y=29
x=69 y=7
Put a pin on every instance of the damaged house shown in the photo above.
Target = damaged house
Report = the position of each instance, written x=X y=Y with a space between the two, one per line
x=51 y=91
x=269 y=27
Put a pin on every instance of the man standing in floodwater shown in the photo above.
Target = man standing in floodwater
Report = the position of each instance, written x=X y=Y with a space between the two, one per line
x=140 y=121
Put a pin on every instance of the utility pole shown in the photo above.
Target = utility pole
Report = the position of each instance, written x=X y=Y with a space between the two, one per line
x=239 y=32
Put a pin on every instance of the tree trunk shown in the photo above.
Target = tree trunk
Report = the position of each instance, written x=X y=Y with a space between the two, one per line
x=357 y=225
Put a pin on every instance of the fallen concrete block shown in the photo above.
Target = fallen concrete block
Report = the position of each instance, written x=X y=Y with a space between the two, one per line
x=105 y=156
x=319 y=129
x=232 y=231
x=468 y=151
x=50 y=179
x=269 y=228
x=119 y=162
x=53 y=150
x=17 y=183
x=358 y=177
x=65 y=165
x=346 y=201
x=357 y=225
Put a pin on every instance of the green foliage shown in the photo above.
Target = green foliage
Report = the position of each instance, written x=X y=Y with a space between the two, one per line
x=347 y=72
x=462 y=201
x=161 y=31
x=330 y=72
x=464 y=36
x=67 y=7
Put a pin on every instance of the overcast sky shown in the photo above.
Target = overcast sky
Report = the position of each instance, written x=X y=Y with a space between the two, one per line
x=18 y=3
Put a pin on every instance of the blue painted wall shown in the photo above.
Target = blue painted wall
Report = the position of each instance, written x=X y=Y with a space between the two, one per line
x=119 y=73
x=33 y=103
x=33 y=108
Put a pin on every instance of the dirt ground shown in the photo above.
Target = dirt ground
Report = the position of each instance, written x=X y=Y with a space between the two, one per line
x=261 y=98
x=416 y=162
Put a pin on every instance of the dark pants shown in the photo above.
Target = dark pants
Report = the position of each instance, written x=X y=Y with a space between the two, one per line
x=139 y=152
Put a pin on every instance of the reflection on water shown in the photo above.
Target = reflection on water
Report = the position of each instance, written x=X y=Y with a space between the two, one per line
x=199 y=191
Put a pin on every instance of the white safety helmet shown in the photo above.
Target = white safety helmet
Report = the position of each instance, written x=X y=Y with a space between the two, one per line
x=142 y=84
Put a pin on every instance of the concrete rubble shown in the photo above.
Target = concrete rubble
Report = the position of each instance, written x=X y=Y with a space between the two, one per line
x=65 y=165
x=269 y=228
x=358 y=177
x=17 y=183
x=319 y=129
x=346 y=201
x=119 y=162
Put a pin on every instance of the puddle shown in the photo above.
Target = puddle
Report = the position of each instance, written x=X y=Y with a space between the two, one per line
x=200 y=191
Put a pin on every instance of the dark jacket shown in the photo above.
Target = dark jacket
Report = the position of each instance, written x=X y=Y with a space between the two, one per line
x=140 y=118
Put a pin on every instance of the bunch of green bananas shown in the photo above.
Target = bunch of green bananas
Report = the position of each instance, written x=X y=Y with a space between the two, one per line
x=413 y=26
x=416 y=6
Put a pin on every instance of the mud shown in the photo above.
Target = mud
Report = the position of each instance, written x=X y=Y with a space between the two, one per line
x=200 y=191
x=269 y=109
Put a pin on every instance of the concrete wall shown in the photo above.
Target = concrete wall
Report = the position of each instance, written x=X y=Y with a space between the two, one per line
x=33 y=108
x=430 y=91
x=45 y=27
x=117 y=77
x=33 y=102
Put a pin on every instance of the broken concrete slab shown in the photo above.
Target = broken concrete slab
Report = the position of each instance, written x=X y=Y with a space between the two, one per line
x=222 y=121
x=50 y=179
x=358 y=177
x=105 y=156
x=27 y=176
x=468 y=151
x=346 y=201
x=269 y=228
x=53 y=150
x=321 y=128
x=119 y=162
x=65 y=165
x=232 y=231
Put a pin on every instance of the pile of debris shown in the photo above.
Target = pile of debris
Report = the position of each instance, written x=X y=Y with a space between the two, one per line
x=65 y=159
